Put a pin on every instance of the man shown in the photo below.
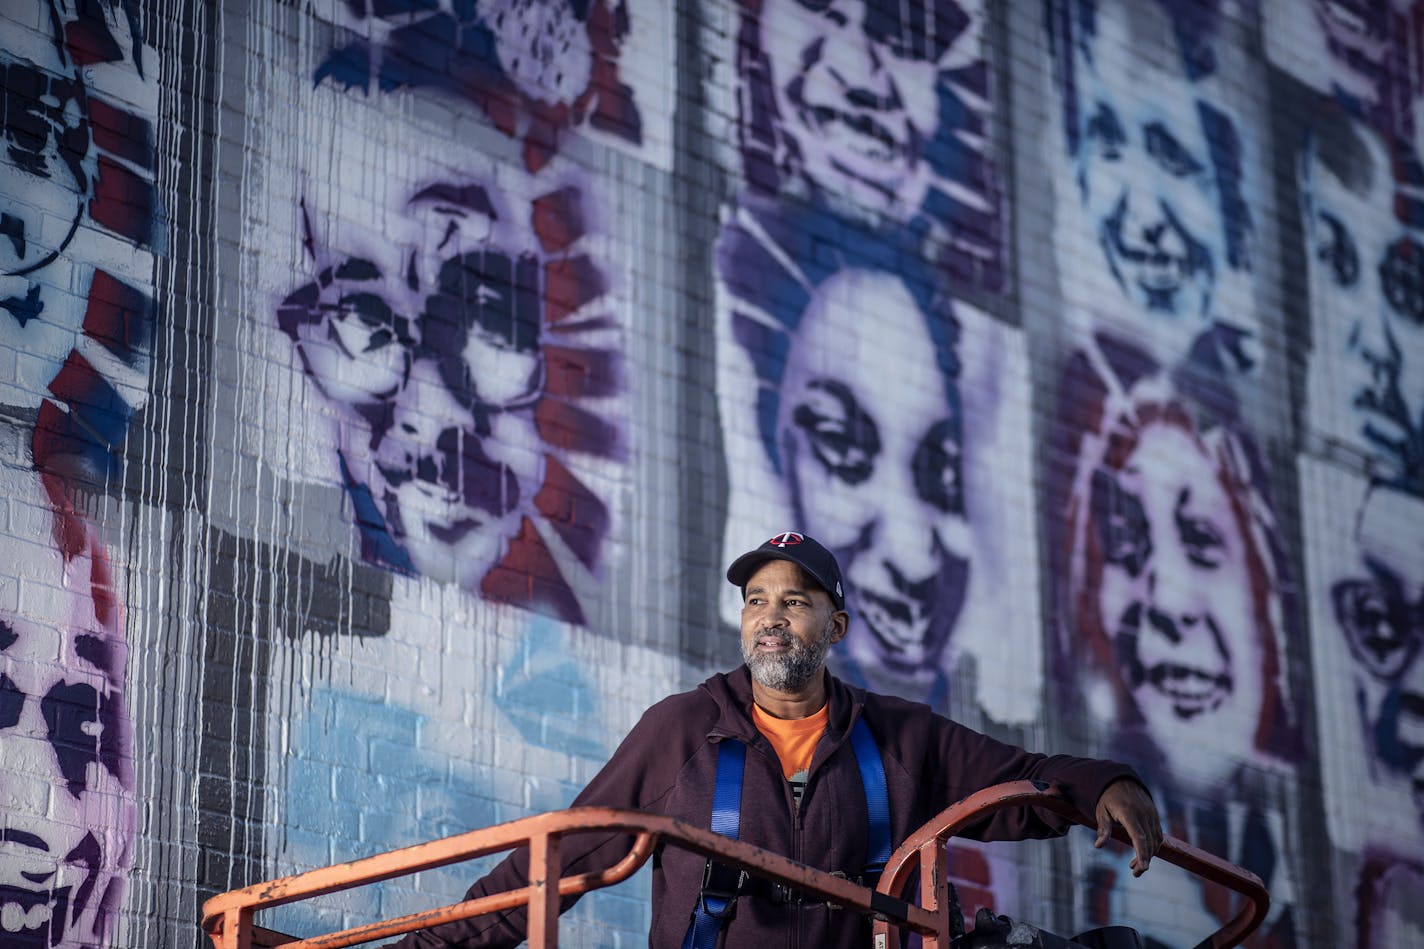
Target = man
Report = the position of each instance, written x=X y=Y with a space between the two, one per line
x=802 y=792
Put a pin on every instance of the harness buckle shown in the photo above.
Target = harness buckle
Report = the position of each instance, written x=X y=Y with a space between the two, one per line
x=843 y=876
x=870 y=876
x=720 y=882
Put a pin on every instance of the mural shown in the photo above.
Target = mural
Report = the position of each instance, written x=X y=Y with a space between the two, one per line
x=1174 y=641
x=78 y=226
x=441 y=292
x=878 y=473
x=1174 y=613
x=77 y=236
x=534 y=67
x=875 y=112
x=65 y=734
x=1366 y=53
x=867 y=187
x=1366 y=573
x=458 y=332
x=1156 y=185
x=1360 y=196
x=1175 y=592
x=1360 y=182
x=846 y=125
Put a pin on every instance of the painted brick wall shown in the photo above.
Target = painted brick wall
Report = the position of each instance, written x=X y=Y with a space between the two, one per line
x=385 y=387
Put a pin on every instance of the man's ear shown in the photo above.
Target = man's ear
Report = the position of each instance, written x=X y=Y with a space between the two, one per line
x=840 y=620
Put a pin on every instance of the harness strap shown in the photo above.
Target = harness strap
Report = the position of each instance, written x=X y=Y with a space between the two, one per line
x=720 y=887
x=713 y=907
x=877 y=796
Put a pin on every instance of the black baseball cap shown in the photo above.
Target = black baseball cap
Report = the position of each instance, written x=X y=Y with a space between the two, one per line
x=801 y=550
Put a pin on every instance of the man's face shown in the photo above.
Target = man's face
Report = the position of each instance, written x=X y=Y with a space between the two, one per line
x=788 y=625
x=1380 y=612
x=65 y=737
x=1148 y=185
x=43 y=132
x=1367 y=305
x=1175 y=598
x=870 y=432
x=856 y=90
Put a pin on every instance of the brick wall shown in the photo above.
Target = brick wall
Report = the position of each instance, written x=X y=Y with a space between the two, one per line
x=384 y=388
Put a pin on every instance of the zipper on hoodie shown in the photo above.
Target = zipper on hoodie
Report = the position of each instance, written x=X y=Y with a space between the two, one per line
x=798 y=827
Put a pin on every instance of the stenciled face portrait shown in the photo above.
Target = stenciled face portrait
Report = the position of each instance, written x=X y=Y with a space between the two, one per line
x=432 y=345
x=1354 y=50
x=1366 y=301
x=1380 y=612
x=65 y=738
x=45 y=143
x=1146 y=176
x=1388 y=897
x=870 y=433
x=1173 y=594
x=855 y=87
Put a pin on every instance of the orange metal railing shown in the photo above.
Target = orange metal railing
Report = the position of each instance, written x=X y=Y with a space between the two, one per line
x=924 y=850
x=229 y=918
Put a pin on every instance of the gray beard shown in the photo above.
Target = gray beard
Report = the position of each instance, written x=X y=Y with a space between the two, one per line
x=793 y=671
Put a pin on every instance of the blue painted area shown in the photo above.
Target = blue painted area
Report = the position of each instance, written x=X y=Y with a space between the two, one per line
x=548 y=697
x=361 y=780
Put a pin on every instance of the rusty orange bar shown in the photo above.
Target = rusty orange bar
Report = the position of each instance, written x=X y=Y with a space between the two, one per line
x=234 y=910
x=544 y=866
x=934 y=893
x=229 y=917
x=933 y=834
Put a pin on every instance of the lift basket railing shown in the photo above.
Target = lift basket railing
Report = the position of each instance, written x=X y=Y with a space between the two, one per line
x=229 y=918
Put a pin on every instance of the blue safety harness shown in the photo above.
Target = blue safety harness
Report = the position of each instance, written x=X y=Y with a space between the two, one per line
x=716 y=901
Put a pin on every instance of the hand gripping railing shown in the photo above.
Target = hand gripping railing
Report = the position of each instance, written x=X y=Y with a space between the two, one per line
x=924 y=850
x=229 y=917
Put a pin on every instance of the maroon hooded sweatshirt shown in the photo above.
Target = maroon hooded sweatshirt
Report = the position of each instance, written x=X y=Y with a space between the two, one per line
x=668 y=765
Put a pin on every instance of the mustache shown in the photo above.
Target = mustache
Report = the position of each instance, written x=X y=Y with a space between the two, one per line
x=781 y=635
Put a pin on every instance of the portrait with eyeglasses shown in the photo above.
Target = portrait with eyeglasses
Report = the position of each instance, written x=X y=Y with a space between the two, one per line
x=1378 y=610
x=1363 y=548
x=431 y=348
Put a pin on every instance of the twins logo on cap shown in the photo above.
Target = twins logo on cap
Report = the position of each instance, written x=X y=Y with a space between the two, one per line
x=786 y=539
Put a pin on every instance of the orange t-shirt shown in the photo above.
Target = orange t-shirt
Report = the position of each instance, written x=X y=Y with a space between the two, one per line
x=793 y=738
